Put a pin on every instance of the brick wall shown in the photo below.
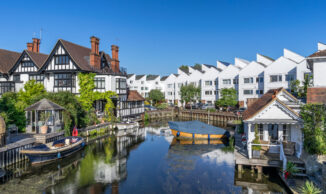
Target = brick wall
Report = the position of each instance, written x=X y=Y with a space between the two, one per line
x=316 y=95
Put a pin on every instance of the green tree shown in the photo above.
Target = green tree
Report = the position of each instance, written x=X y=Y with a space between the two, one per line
x=295 y=87
x=228 y=98
x=156 y=96
x=190 y=93
x=184 y=68
x=307 y=82
x=314 y=119
x=11 y=113
x=197 y=66
x=32 y=89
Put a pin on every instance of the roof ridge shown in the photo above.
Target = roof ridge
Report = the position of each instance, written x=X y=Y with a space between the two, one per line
x=75 y=44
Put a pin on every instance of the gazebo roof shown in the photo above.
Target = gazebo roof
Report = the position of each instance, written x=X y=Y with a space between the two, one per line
x=44 y=104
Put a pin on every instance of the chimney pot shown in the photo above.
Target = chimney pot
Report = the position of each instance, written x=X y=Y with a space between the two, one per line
x=95 y=60
x=36 y=45
x=30 y=46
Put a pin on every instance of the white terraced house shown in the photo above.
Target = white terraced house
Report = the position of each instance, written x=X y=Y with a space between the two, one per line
x=251 y=80
x=282 y=71
x=144 y=83
x=209 y=86
x=58 y=72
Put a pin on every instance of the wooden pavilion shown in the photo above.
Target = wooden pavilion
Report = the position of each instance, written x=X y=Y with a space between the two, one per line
x=44 y=116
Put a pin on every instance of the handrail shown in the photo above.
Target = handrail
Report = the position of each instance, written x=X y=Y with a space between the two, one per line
x=283 y=158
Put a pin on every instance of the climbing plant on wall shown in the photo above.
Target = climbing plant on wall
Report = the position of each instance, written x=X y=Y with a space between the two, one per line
x=88 y=96
x=314 y=118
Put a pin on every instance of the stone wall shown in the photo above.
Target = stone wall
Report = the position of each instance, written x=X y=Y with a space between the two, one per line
x=314 y=166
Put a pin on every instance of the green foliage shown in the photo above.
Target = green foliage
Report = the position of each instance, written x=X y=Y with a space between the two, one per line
x=197 y=66
x=314 y=117
x=256 y=140
x=190 y=93
x=146 y=116
x=45 y=117
x=228 y=98
x=230 y=147
x=309 y=188
x=184 y=68
x=301 y=91
x=156 y=96
x=86 y=85
x=11 y=113
x=291 y=168
x=73 y=115
x=211 y=110
x=162 y=106
x=25 y=97
x=88 y=96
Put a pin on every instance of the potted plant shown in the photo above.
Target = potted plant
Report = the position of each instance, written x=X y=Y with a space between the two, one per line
x=256 y=148
x=291 y=168
x=45 y=116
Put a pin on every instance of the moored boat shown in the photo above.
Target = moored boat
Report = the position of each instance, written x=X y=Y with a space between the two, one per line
x=197 y=130
x=45 y=153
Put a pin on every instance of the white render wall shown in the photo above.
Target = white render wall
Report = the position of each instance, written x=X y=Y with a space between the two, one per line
x=319 y=77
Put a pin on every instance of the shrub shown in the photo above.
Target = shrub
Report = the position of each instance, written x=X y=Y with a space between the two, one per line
x=310 y=188
x=256 y=140
x=162 y=106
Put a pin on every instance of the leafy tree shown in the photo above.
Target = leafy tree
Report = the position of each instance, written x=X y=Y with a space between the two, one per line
x=156 y=96
x=190 y=93
x=228 y=98
x=11 y=113
x=307 y=82
x=197 y=66
x=184 y=68
x=298 y=90
x=32 y=89
x=314 y=118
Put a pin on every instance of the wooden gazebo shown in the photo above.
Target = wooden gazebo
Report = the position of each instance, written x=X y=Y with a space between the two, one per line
x=44 y=116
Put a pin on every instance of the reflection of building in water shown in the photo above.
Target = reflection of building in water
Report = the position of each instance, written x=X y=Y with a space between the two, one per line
x=256 y=183
x=117 y=171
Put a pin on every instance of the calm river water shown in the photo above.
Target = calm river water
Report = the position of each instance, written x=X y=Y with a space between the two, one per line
x=144 y=160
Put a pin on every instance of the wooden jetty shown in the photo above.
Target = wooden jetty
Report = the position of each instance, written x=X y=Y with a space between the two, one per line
x=207 y=115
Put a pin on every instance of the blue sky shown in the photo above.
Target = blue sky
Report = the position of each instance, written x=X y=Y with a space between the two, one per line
x=157 y=36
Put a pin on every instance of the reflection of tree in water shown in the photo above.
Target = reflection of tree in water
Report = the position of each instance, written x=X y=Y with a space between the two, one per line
x=93 y=156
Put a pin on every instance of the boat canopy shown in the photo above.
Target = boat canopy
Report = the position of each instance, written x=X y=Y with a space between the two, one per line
x=196 y=127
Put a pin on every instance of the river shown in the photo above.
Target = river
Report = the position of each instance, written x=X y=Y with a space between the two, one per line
x=146 y=160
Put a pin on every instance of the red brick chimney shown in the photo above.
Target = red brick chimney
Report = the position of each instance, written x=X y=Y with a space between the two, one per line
x=36 y=45
x=95 y=60
x=30 y=46
x=115 y=59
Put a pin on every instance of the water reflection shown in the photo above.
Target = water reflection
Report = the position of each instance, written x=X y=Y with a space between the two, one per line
x=144 y=160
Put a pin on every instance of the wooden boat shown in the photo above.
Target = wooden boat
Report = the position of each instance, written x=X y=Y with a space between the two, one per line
x=187 y=141
x=45 y=153
x=197 y=130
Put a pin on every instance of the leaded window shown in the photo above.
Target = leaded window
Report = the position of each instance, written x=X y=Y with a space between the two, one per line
x=64 y=80
x=99 y=82
x=7 y=87
x=27 y=64
x=37 y=78
x=121 y=86
x=61 y=59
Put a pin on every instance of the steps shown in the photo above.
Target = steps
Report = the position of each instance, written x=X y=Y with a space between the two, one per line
x=301 y=167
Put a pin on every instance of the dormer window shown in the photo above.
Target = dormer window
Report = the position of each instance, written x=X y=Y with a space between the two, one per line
x=61 y=60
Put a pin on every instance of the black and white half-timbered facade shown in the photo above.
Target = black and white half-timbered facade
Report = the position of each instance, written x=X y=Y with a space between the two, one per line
x=58 y=71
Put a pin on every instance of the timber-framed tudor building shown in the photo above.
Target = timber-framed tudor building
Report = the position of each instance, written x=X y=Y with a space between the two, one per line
x=58 y=72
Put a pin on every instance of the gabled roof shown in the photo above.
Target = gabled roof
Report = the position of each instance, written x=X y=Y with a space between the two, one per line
x=263 y=102
x=151 y=77
x=38 y=58
x=138 y=77
x=163 y=78
x=267 y=57
x=133 y=95
x=130 y=75
x=321 y=53
x=44 y=104
x=79 y=54
x=7 y=60
x=210 y=66
x=225 y=63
